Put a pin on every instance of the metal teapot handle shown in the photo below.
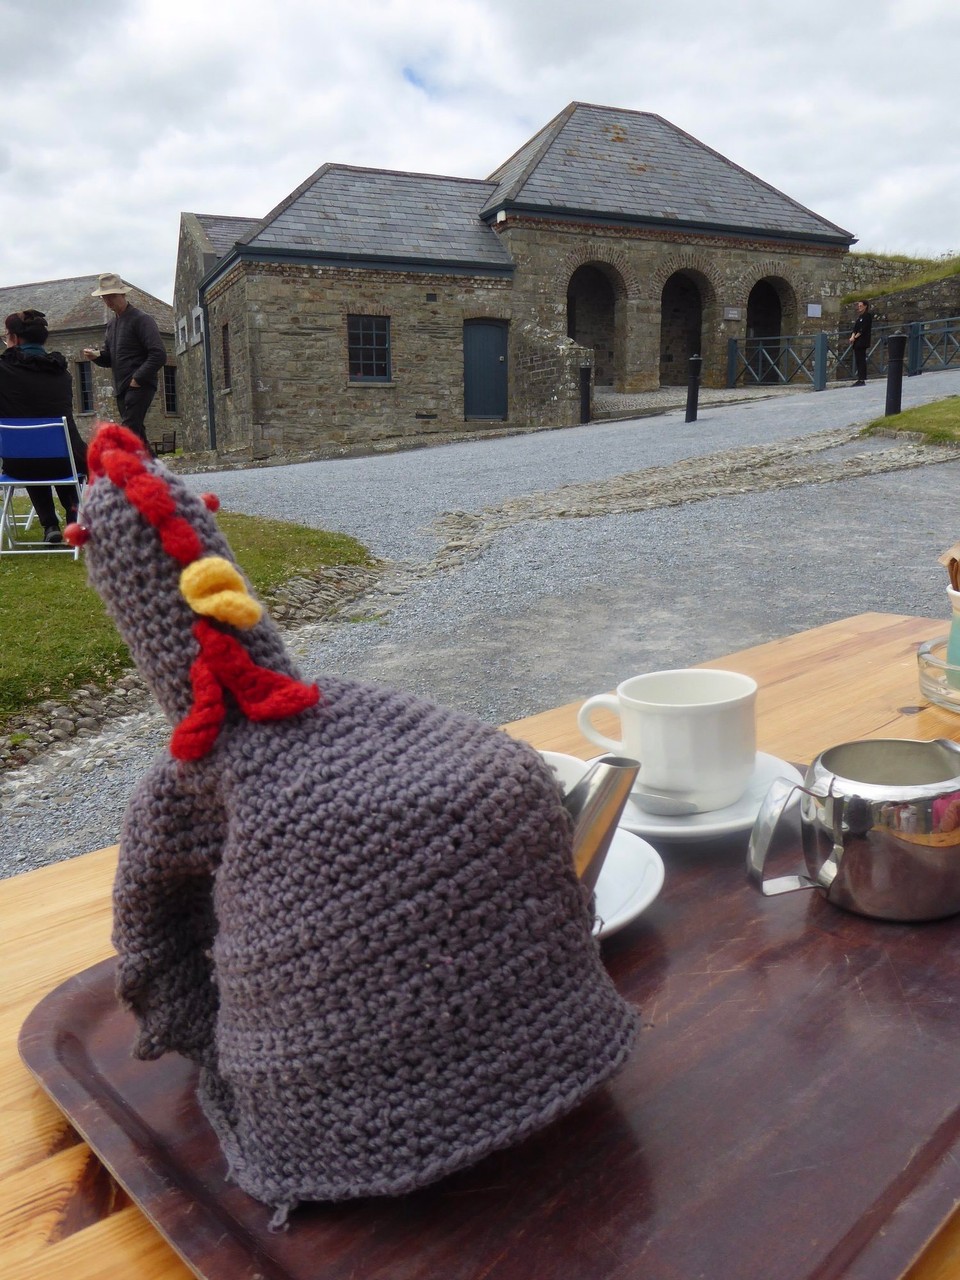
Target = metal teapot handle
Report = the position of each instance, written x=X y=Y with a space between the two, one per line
x=771 y=811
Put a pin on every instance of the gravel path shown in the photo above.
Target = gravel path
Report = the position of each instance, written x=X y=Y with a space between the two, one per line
x=530 y=570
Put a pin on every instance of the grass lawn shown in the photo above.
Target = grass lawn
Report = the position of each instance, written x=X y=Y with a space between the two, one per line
x=939 y=422
x=55 y=633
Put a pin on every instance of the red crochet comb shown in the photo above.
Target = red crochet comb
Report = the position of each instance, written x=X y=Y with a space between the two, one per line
x=119 y=455
x=222 y=662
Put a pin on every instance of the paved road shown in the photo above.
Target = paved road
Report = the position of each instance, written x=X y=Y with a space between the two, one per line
x=552 y=609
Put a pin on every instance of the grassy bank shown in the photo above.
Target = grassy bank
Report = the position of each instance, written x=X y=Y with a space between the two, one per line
x=939 y=422
x=55 y=633
x=916 y=271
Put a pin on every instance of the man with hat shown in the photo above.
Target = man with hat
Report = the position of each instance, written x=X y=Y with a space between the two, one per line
x=132 y=348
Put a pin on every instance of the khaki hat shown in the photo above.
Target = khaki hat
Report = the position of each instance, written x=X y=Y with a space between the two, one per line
x=109 y=283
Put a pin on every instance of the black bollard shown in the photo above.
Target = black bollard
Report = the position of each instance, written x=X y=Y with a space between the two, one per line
x=896 y=344
x=693 y=388
x=585 y=375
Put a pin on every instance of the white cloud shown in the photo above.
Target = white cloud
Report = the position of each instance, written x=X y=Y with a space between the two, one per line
x=118 y=118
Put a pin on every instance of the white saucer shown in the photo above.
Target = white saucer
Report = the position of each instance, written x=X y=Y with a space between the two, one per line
x=701 y=826
x=630 y=879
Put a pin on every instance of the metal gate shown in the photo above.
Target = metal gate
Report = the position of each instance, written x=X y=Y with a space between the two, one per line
x=822 y=357
x=485 y=369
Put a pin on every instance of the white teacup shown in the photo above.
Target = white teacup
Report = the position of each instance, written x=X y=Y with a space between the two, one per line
x=693 y=730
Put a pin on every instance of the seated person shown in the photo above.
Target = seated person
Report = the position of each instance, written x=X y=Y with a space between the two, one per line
x=35 y=383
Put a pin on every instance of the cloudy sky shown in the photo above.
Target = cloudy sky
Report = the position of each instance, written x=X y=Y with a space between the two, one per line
x=119 y=114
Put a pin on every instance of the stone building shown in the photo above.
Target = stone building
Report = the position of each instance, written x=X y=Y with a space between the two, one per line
x=609 y=249
x=77 y=320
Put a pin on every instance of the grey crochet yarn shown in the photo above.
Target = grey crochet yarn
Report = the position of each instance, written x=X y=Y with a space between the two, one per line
x=361 y=919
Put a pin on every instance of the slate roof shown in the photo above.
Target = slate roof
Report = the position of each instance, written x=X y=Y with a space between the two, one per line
x=375 y=213
x=222 y=232
x=590 y=162
x=612 y=163
x=67 y=304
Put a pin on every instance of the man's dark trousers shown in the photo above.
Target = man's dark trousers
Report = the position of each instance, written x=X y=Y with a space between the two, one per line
x=133 y=405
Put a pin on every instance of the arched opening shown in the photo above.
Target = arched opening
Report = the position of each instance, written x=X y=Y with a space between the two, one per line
x=764 y=312
x=681 y=328
x=592 y=317
x=770 y=307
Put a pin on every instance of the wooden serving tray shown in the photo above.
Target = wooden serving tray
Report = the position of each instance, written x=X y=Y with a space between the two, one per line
x=792 y=1110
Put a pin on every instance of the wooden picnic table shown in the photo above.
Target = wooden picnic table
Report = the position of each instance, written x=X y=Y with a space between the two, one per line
x=593 y=1196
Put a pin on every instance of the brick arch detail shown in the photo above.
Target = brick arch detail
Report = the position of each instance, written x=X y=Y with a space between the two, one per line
x=688 y=261
x=479 y=310
x=770 y=269
x=625 y=285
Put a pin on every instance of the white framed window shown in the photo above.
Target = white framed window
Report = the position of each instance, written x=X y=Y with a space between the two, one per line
x=196 y=331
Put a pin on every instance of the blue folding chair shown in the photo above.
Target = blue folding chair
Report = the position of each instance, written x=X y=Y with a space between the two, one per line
x=37 y=438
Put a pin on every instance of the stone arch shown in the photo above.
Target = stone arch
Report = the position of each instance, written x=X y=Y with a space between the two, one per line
x=772 y=314
x=615 y=265
x=693 y=263
x=783 y=281
x=688 y=315
x=596 y=294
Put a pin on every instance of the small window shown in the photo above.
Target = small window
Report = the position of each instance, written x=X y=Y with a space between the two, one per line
x=197 y=332
x=368 y=346
x=182 y=333
x=85 y=386
x=170 y=388
x=225 y=340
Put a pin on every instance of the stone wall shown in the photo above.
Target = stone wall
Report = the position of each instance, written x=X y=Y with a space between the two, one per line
x=939 y=300
x=638 y=264
x=228 y=315
x=546 y=377
x=291 y=388
x=865 y=271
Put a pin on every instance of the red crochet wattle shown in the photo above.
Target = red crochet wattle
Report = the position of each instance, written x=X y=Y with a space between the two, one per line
x=224 y=664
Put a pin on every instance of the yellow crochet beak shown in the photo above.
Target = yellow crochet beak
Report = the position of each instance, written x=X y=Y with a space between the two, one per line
x=212 y=586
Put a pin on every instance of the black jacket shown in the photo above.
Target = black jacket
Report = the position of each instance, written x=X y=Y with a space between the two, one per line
x=32 y=386
x=132 y=348
x=861 y=329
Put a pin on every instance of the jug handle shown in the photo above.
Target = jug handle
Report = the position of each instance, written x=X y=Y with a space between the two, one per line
x=831 y=865
x=771 y=811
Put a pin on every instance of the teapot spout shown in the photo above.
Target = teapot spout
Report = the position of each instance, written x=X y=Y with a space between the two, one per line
x=595 y=804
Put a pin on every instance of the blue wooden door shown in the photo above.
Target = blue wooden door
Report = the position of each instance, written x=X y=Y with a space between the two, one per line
x=485 y=369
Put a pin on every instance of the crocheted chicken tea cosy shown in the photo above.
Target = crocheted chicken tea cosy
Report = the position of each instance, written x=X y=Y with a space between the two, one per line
x=357 y=911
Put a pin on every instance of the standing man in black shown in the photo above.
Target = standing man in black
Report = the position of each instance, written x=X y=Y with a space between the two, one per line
x=860 y=341
x=133 y=349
